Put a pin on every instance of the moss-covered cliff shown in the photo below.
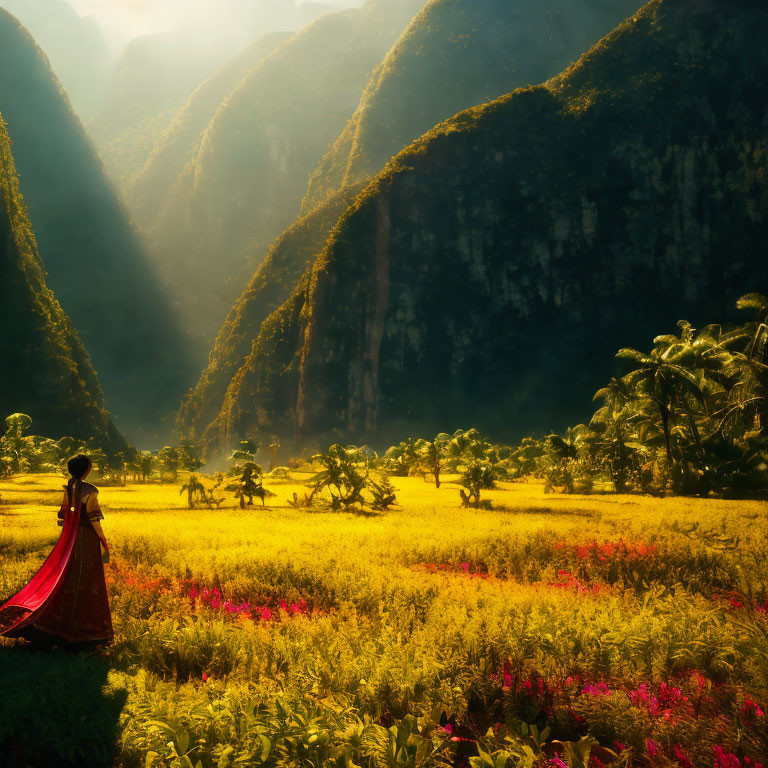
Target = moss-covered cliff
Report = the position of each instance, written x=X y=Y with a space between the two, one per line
x=488 y=275
x=454 y=55
x=95 y=263
x=46 y=372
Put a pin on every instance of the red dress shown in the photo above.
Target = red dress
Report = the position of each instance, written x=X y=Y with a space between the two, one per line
x=67 y=598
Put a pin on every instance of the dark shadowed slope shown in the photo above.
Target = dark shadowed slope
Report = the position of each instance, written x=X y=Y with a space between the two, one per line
x=75 y=46
x=454 y=55
x=489 y=274
x=245 y=185
x=94 y=262
x=288 y=258
x=182 y=139
x=46 y=372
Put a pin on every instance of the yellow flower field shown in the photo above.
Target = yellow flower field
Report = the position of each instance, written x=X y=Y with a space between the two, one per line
x=634 y=628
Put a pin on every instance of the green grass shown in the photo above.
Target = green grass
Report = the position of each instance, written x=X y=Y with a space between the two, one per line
x=420 y=610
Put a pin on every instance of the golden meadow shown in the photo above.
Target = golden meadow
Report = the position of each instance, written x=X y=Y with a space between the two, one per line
x=549 y=630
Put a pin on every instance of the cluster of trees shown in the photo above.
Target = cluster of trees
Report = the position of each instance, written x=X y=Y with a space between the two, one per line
x=689 y=416
x=23 y=452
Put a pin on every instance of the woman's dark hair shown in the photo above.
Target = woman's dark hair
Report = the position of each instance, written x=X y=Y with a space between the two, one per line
x=78 y=465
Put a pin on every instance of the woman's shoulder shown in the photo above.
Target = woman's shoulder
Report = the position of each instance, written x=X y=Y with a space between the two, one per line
x=89 y=489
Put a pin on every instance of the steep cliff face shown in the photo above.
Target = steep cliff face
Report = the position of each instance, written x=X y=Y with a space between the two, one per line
x=288 y=259
x=94 y=261
x=46 y=372
x=245 y=184
x=489 y=274
x=454 y=55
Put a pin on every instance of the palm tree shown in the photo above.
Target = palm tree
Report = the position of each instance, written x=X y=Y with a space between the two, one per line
x=663 y=376
x=758 y=328
x=615 y=396
x=755 y=363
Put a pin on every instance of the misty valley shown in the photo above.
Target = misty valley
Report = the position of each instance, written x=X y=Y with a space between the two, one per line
x=398 y=370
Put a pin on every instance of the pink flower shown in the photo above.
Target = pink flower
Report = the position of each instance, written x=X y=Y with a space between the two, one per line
x=556 y=762
x=193 y=593
x=447 y=729
x=206 y=677
x=601 y=689
x=266 y=614
x=736 y=603
x=751 y=709
x=215 y=603
x=725 y=759
x=681 y=757
x=465 y=567
x=652 y=748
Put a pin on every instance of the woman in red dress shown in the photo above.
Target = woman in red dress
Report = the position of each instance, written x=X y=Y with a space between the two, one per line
x=66 y=600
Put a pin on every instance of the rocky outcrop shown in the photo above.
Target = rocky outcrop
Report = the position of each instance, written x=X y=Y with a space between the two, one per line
x=490 y=272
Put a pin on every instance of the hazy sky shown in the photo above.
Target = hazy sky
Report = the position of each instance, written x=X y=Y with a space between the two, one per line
x=128 y=18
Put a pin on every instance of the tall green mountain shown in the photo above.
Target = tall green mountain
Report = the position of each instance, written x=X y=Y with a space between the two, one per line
x=75 y=46
x=457 y=54
x=489 y=273
x=245 y=184
x=454 y=54
x=182 y=139
x=95 y=264
x=46 y=372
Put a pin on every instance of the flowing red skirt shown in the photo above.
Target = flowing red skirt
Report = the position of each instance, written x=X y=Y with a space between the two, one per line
x=67 y=598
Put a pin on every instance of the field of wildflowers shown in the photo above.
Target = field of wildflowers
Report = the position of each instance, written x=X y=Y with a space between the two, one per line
x=546 y=631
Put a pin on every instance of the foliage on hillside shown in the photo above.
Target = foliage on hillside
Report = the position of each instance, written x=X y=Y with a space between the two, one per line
x=457 y=54
x=93 y=259
x=491 y=270
x=245 y=184
x=288 y=258
x=46 y=371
